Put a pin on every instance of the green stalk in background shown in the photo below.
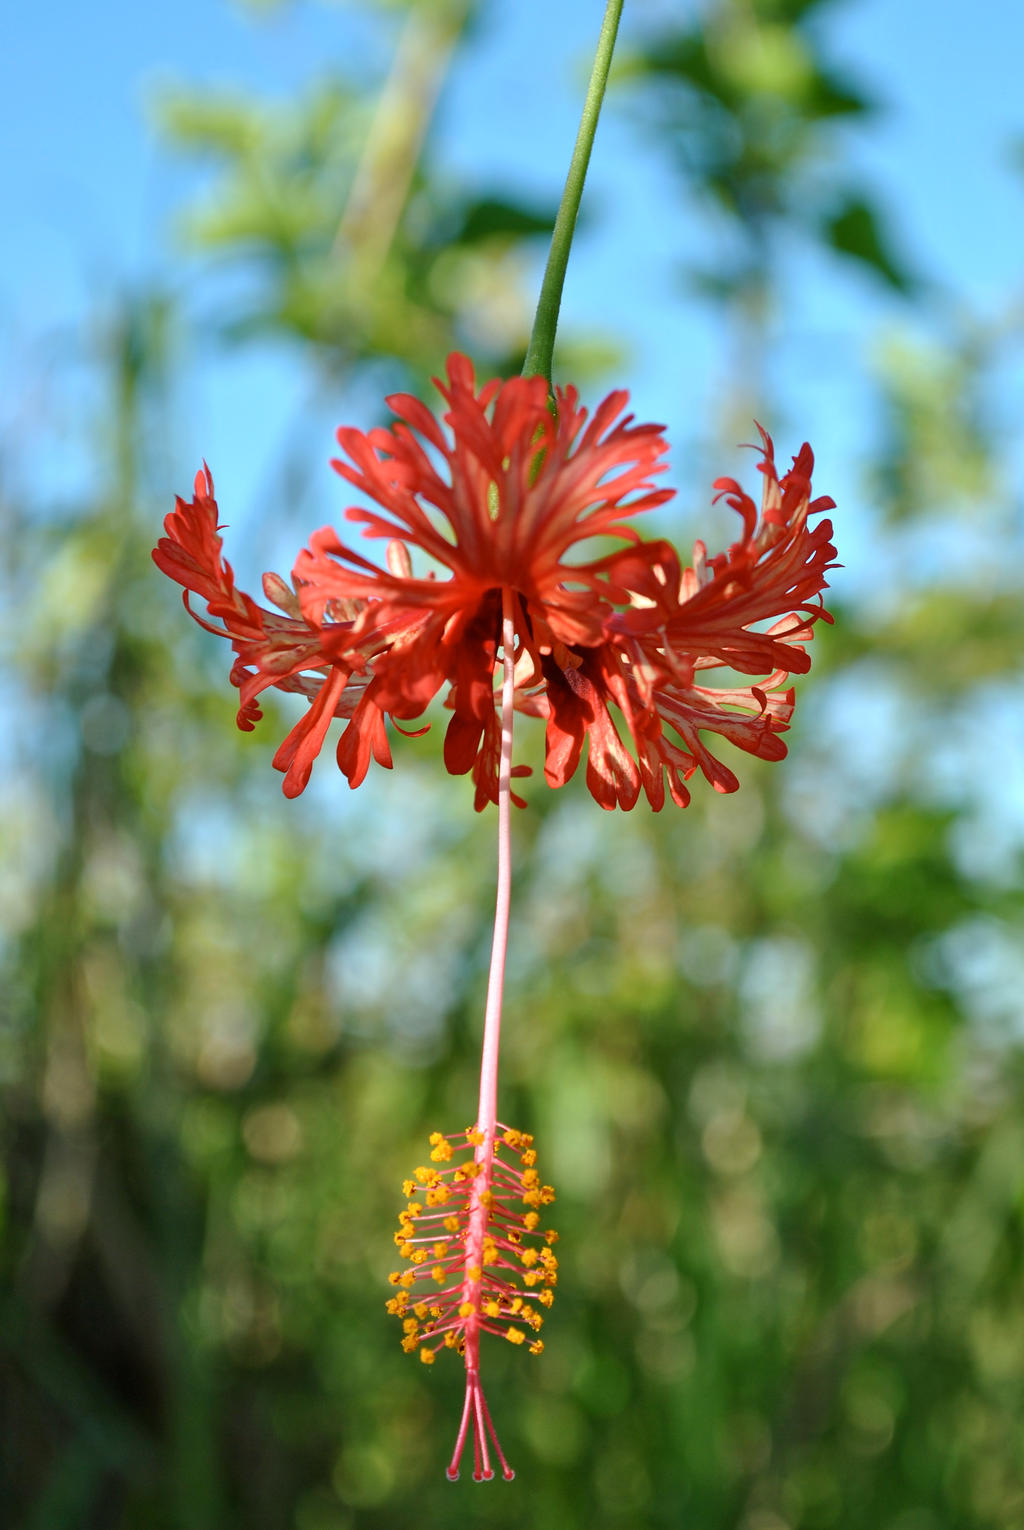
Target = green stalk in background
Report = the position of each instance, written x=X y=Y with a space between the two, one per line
x=540 y=352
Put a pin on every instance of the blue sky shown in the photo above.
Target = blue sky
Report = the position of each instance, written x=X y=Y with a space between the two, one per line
x=92 y=194
x=89 y=185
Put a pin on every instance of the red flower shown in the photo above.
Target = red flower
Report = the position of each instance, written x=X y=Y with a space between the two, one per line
x=500 y=501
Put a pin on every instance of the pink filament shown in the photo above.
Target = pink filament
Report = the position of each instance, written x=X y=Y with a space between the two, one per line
x=487 y=1112
x=475 y=1408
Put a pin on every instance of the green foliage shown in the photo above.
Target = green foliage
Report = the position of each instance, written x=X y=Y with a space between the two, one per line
x=357 y=245
x=747 y=101
x=853 y=229
x=936 y=452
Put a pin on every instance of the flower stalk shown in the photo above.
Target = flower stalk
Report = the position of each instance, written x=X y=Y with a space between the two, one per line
x=541 y=350
x=475 y=1408
x=488 y=1105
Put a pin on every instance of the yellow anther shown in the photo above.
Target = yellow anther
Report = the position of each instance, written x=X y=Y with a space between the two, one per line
x=408 y=1187
x=395 y=1277
x=435 y=1312
x=437 y=1196
x=406 y=1250
x=407 y=1278
x=515 y=1335
x=530 y=1221
x=548 y=1259
x=400 y=1237
x=529 y=1158
x=467 y=1309
x=551 y=1236
x=414 y=1208
x=491 y=1308
x=550 y=1278
x=451 y=1338
x=420 y=1309
x=530 y=1178
x=534 y=1319
x=490 y=1252
x=546 y=1296
x=512 y=1138
x=537 y=1347
x=528 y=1256
x=424 y=1175
x=473 y=1137
x=532 y=1198
x=441 y=1148
x=427 y=1356
x=440 y=1249
x=410 y=1342
x=514 y=1236
x=438 y=1274
x=525 y=1140
x=487 y=1198
x=547 y=1195
x=419 y=1256
x=532 y=1278
x=451 y=1224
x=474 y=1272
x=410 y=1325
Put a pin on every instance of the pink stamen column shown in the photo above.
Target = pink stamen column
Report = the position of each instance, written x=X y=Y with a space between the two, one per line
x=475 y=1407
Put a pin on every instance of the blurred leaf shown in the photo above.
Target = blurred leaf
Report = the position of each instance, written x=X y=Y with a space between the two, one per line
x=854 y=229
x=746 y=100
x=495 y=217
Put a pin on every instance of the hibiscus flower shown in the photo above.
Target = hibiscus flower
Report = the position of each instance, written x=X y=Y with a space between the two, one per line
x=509 y=503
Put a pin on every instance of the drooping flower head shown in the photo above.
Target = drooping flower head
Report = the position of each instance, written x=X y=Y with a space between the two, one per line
x=504 y=496
x=509 y=502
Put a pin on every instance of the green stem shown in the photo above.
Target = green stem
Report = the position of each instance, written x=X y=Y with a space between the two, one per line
x=540 y=353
